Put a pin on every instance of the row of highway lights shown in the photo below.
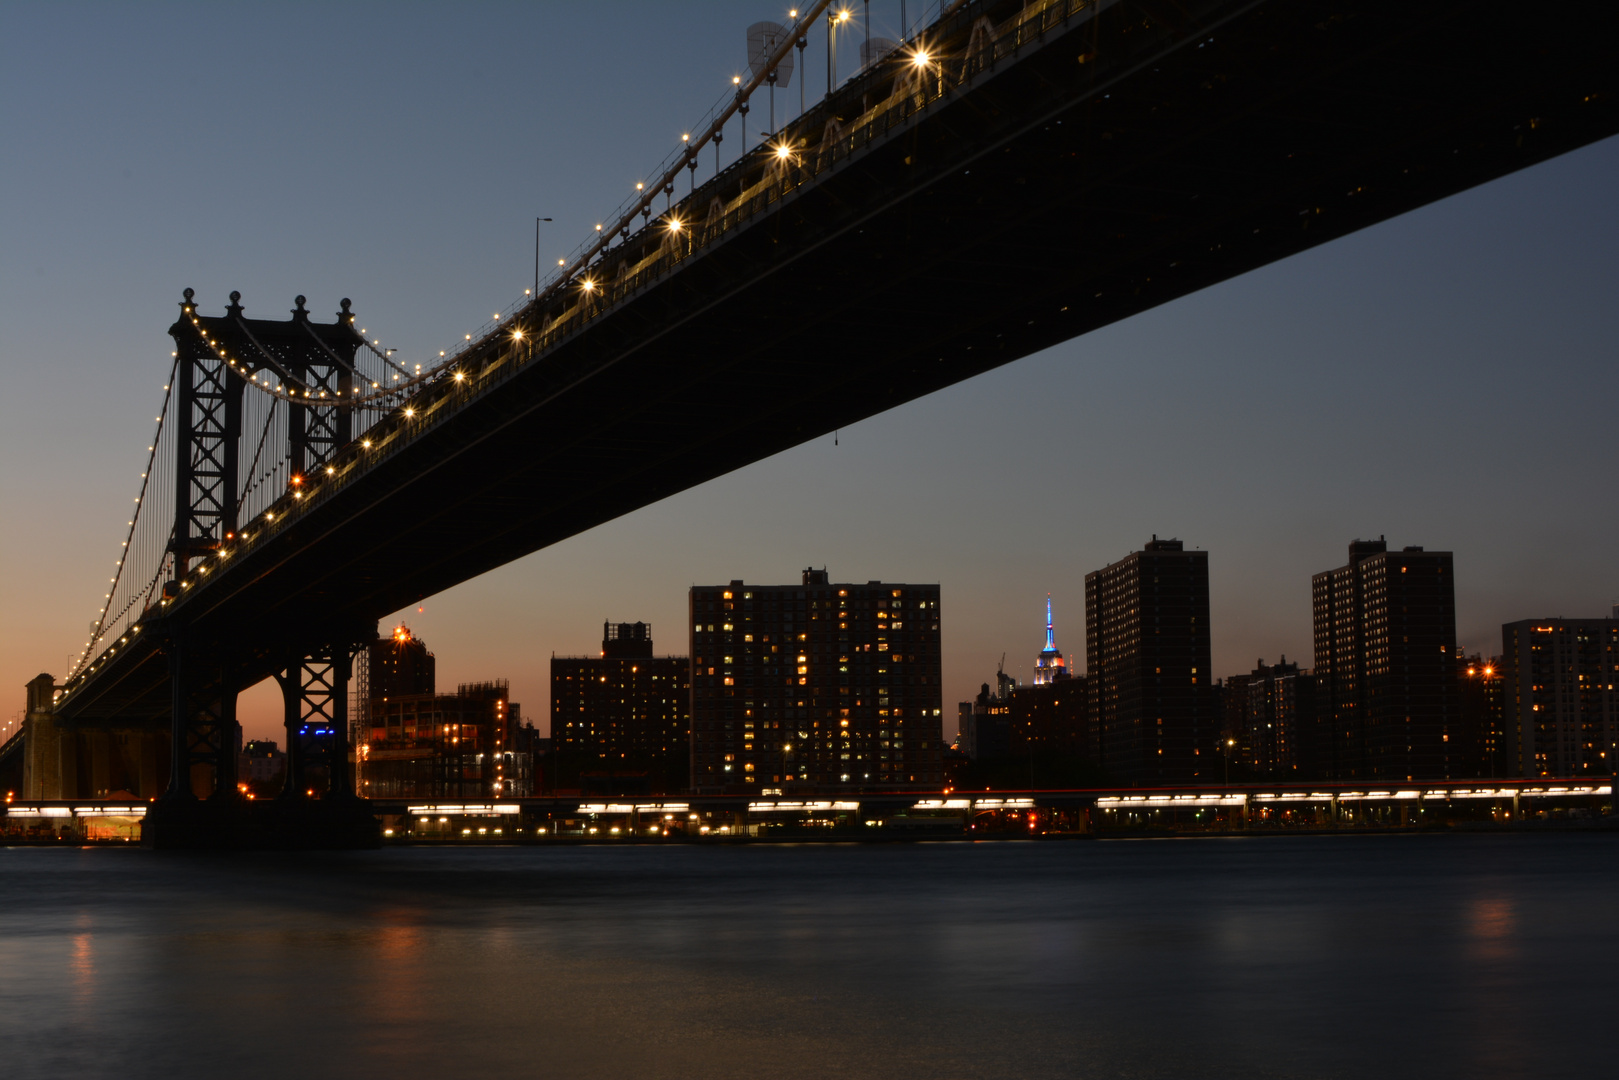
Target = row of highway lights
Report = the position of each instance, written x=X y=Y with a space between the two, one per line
x=1159 y=802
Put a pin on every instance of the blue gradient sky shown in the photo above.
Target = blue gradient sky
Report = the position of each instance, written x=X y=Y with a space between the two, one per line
x=1447 y=378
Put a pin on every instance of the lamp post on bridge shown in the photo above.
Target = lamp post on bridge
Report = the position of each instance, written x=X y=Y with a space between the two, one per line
x=834 y=19
x=537 y=255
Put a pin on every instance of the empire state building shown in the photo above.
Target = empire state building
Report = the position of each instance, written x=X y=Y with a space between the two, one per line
x=1049 y=667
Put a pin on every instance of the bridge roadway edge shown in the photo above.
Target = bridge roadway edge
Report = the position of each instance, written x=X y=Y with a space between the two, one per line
x=1117 y=222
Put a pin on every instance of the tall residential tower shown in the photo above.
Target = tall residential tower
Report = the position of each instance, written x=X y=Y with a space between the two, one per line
x=1385 y=666
x=1147 y=658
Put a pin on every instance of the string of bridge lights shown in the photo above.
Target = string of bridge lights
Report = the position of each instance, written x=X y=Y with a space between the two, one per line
x=687 y=155
x=384 y=396
x=146 y=479
x=687 y=158
x=245 y=372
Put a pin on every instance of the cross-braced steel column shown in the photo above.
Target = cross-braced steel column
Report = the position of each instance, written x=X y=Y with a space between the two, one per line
x=316 y=429
x=209 y=411
x=203 y=703
x=314 y=692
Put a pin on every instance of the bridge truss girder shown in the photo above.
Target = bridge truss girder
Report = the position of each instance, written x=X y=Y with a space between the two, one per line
x=203 y=685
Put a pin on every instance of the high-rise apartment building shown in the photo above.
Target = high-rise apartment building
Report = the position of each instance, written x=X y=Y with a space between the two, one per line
x=1385 y=665
x=1147 y=655
x=1559 y=696
x=816 y=686
x=625 y=711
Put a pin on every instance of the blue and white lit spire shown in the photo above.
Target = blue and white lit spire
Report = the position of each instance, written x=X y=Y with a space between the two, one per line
x=1049 y=666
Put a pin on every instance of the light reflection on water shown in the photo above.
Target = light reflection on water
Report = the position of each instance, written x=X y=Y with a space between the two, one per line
x=1483 y=956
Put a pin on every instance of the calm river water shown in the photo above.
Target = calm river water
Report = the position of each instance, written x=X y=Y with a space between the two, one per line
x=1385 y=956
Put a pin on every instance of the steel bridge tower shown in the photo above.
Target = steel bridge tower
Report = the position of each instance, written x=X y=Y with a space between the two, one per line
x=308 y=370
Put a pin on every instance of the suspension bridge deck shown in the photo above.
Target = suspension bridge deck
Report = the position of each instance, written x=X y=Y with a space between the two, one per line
x=922 y=227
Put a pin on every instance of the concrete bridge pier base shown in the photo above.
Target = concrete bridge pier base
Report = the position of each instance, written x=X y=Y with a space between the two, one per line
x=274 y=825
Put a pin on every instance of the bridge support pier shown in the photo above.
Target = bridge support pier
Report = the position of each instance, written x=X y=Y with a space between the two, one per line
x=203 y=807
x=314 y=692
x=205 y=740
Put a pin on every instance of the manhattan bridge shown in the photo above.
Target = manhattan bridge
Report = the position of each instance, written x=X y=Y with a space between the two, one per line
x=1008 y=176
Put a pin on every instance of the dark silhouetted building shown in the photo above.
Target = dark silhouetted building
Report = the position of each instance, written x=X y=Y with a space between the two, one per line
x=816 y=686
x=621 y=716
x=399 y=664
x=1270 y=715
x=984 y=724
x=1053 y=720
x=1484 y=729
x=1147 y=655
x=1231 y=705
x=1385 y=665
x=1559 y=696
x=261 y=768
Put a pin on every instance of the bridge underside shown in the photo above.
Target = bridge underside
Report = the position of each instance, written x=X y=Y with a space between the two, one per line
x=1125 y=163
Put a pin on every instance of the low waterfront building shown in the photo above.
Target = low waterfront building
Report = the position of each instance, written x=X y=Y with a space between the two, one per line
x=471 y=744
x=261 y=768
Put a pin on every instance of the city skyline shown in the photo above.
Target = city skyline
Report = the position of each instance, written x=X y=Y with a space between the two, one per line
x=1002 y=443
x=1467 y=345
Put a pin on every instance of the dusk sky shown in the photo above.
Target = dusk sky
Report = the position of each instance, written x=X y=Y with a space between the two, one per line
x=1447 y=378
